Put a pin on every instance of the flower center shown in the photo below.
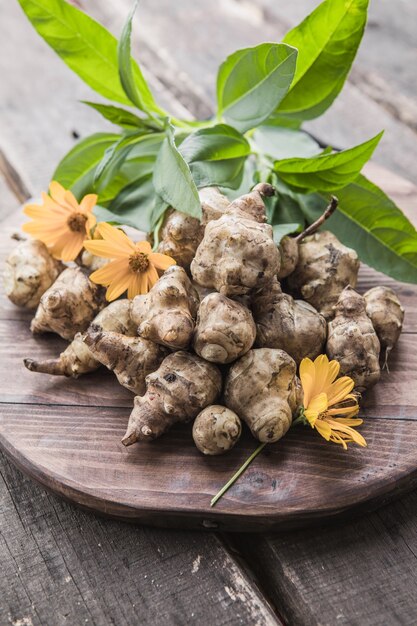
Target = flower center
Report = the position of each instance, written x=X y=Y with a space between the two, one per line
x=138 y=262
x=76 y=222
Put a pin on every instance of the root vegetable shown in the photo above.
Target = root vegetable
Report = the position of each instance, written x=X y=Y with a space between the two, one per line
x=237 y=253
x=166 y=314
x=213 y=204
x=353 y=342
x=78 y=359
x=262 y=388
x=224 y=331
x=325 y=267
x=69 y=305
x=30 y=270
x=180 y=236
x=130 y=358
x=216 y=430
x=183 y=385
x=387 y=316
x=289 y=245
x=290 y=325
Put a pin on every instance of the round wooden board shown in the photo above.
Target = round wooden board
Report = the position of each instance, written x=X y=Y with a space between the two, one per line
x=66 y=435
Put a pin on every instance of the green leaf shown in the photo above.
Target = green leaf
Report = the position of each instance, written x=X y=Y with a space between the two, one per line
x=368 y=221
x=132 y=206
x=133 y=82
x=76 y=169
x=84 y=45
x=216 y=155
x=326 y=172
x=280 y=230
x=327 y=41
x=119 y=116
x=284 y=143
x=173 y=181
x=252 y=82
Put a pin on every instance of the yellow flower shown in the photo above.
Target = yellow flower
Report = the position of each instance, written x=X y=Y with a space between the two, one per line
x=134 y=267
x=329 y=405
x=61 y=222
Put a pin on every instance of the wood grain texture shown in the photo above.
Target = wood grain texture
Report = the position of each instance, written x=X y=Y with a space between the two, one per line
x=64 y=567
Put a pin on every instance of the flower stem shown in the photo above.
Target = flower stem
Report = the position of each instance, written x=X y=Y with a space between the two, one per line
x=237 y=474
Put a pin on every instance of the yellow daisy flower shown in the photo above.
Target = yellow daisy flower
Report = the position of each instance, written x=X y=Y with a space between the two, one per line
x=134 y=265
x=329 y=405
x=61 y=222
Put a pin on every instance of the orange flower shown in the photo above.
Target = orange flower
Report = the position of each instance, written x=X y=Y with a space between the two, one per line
x=134 y=267
x=60 y=222
x=329 y=405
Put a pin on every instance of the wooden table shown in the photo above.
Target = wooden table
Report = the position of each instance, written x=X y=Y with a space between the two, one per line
x=60 y=565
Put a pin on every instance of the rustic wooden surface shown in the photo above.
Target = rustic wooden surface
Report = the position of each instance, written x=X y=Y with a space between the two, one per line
x=63 y=566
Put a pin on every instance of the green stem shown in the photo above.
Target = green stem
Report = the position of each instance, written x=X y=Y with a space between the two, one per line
x=238 y=473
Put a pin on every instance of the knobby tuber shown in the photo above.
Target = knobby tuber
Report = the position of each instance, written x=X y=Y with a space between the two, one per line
x=213 y=204
x=130 y=358
x=353 y=342
x=78 y=359
x=387 y=316
x=288 y=246
x=216 y=430
x=262 y=388
x=237 y=253
x=30 y=270
x=183 y=385
x=69 y=305
x=291 y=325
x=167 y=313
x=180 y=236
x=224 y=331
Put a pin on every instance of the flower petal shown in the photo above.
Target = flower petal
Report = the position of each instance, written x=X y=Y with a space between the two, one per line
x=116 y=237
x=152 y=276
x=307 y=375
x=118 y=287
x=72 y=247
x=106 y=249
x=316 y=406
x=338 y=390
x=324 y=429
x=143 y=246
x=161 y=261
x=134 y=286
x=88 y=203
x=111 y=272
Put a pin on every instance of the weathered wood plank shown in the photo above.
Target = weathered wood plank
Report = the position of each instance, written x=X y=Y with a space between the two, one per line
x=359 y=573
x=61 y=566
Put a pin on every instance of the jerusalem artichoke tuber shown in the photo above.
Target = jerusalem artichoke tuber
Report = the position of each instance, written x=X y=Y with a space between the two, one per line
x=183 y=385
x=325 y=267
x=237 y=253
x=180 y=236
x=213 y=204
x=30 y=270
x=291 y=325
x=69 y=305
x=352 y=340
x=387 y=315
x=166 y=314
x=216 y=430
x=262 y=388
x=78 y=359
x=224 y=331
x=130 y=358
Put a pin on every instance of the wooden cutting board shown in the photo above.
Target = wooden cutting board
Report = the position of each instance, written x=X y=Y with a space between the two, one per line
x=66 y=435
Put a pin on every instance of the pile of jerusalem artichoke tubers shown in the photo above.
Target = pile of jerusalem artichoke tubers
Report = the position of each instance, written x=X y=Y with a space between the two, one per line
x=218 y=338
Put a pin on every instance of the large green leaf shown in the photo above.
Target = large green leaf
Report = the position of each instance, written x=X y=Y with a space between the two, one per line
x=326 y=172
x=284 y=143
x=132 y=206
x=121 y=117
x=173 y=181
x=327 y=41
x=252 y=82
x=134 y=84
x=368 y=221
x=216 y=155
x=76 y=169
x=84 y=45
